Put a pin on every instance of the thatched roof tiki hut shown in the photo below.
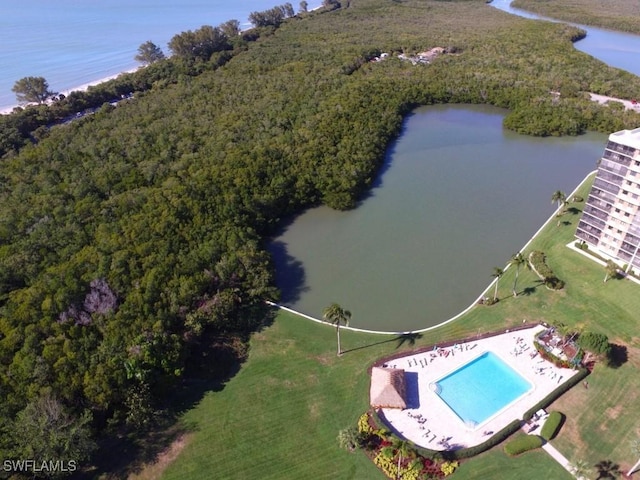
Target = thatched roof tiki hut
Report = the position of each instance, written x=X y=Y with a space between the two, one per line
x=388 y=388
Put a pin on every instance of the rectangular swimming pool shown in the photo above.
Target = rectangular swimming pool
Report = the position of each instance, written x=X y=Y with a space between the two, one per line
x=481 y=388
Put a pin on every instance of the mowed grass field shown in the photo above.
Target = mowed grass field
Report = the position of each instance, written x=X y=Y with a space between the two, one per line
x=278 y=418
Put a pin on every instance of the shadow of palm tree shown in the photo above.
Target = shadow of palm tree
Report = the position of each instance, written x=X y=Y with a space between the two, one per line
x=369 y=345
x=573 y=210
x=408 y=338
x=528 y=291
x=607 y=470
x=617 y=356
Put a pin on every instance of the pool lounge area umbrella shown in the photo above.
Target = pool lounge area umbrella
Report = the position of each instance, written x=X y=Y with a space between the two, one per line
x=388 y=388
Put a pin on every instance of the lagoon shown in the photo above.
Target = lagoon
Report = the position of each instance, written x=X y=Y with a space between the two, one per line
x=617 y=49
x=458 y=194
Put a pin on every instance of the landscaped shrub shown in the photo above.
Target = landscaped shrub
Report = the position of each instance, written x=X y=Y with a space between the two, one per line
x=537 y=260
x=551 y=426
x=448 y=468
x=363 y=424
x=596 y=343
x=416 y=464
x=522 y=443
x=387 y=465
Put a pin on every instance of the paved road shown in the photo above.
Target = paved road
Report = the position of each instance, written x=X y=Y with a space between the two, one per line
x=602 y=99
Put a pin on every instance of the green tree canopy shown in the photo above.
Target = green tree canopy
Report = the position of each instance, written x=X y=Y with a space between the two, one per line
x=149 y=53
x=45 y=430
x=32 y=90
x=199 y=44
x=597 y=343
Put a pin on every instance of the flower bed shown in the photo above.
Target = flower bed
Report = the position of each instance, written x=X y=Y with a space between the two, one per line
x=383 y=447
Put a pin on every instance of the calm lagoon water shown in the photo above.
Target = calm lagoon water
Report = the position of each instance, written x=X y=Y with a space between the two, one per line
x=458 y=195
x=75 y=42
x=618 y=49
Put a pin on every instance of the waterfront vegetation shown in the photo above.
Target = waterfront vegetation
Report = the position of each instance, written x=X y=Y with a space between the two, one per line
x=303 y=395
x=131 y=240
x=614 y=15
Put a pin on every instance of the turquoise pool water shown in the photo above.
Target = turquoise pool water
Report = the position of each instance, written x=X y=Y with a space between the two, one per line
x=481 y=388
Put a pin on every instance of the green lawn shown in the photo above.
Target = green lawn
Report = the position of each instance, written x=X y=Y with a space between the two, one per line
x=279 y=416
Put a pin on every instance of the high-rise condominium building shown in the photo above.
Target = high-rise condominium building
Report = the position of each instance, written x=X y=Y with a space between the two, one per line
x=610 y=222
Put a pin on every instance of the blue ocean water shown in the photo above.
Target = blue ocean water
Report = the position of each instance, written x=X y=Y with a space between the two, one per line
x=75 y=42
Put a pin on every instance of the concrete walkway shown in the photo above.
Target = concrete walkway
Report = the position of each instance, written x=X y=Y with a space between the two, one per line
x=553 y=452
x=558 y=457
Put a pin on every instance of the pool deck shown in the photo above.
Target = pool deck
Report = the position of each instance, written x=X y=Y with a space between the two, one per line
x=443 y=429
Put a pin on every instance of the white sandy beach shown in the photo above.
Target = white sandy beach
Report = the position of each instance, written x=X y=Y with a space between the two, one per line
x=81 y=88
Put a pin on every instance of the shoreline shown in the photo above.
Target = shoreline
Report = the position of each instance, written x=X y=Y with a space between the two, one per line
x=551 y=218
x=8 y=109
x=80 y=88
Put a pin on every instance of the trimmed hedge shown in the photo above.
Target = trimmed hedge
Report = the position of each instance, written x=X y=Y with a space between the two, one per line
x=462 y=453
x=522 y=443
x=551 y=426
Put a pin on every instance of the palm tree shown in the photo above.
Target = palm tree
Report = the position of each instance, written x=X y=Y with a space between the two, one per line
x=611 y=270
x=402 y=448
x=349 y=438
x=580 y=469
x=336 y=315
x=559 y=197
x=518 y=260
x=497 y=273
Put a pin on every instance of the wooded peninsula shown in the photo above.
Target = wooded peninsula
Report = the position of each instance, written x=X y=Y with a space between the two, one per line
x=132 y=239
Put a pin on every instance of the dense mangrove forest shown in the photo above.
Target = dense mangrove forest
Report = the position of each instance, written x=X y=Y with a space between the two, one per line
x=132 y=236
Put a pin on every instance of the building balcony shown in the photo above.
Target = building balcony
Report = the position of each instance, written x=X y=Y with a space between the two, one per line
x=587 y=237
x=591 y=220
x=593 y=230
x=613 y=167
x=623 y=255
x=610 y=177
x=632 y=238
x=606 y=186
x=594 y=212
x=628 y=247
x=599 y=204
x=616 y=147
x=604 y=197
